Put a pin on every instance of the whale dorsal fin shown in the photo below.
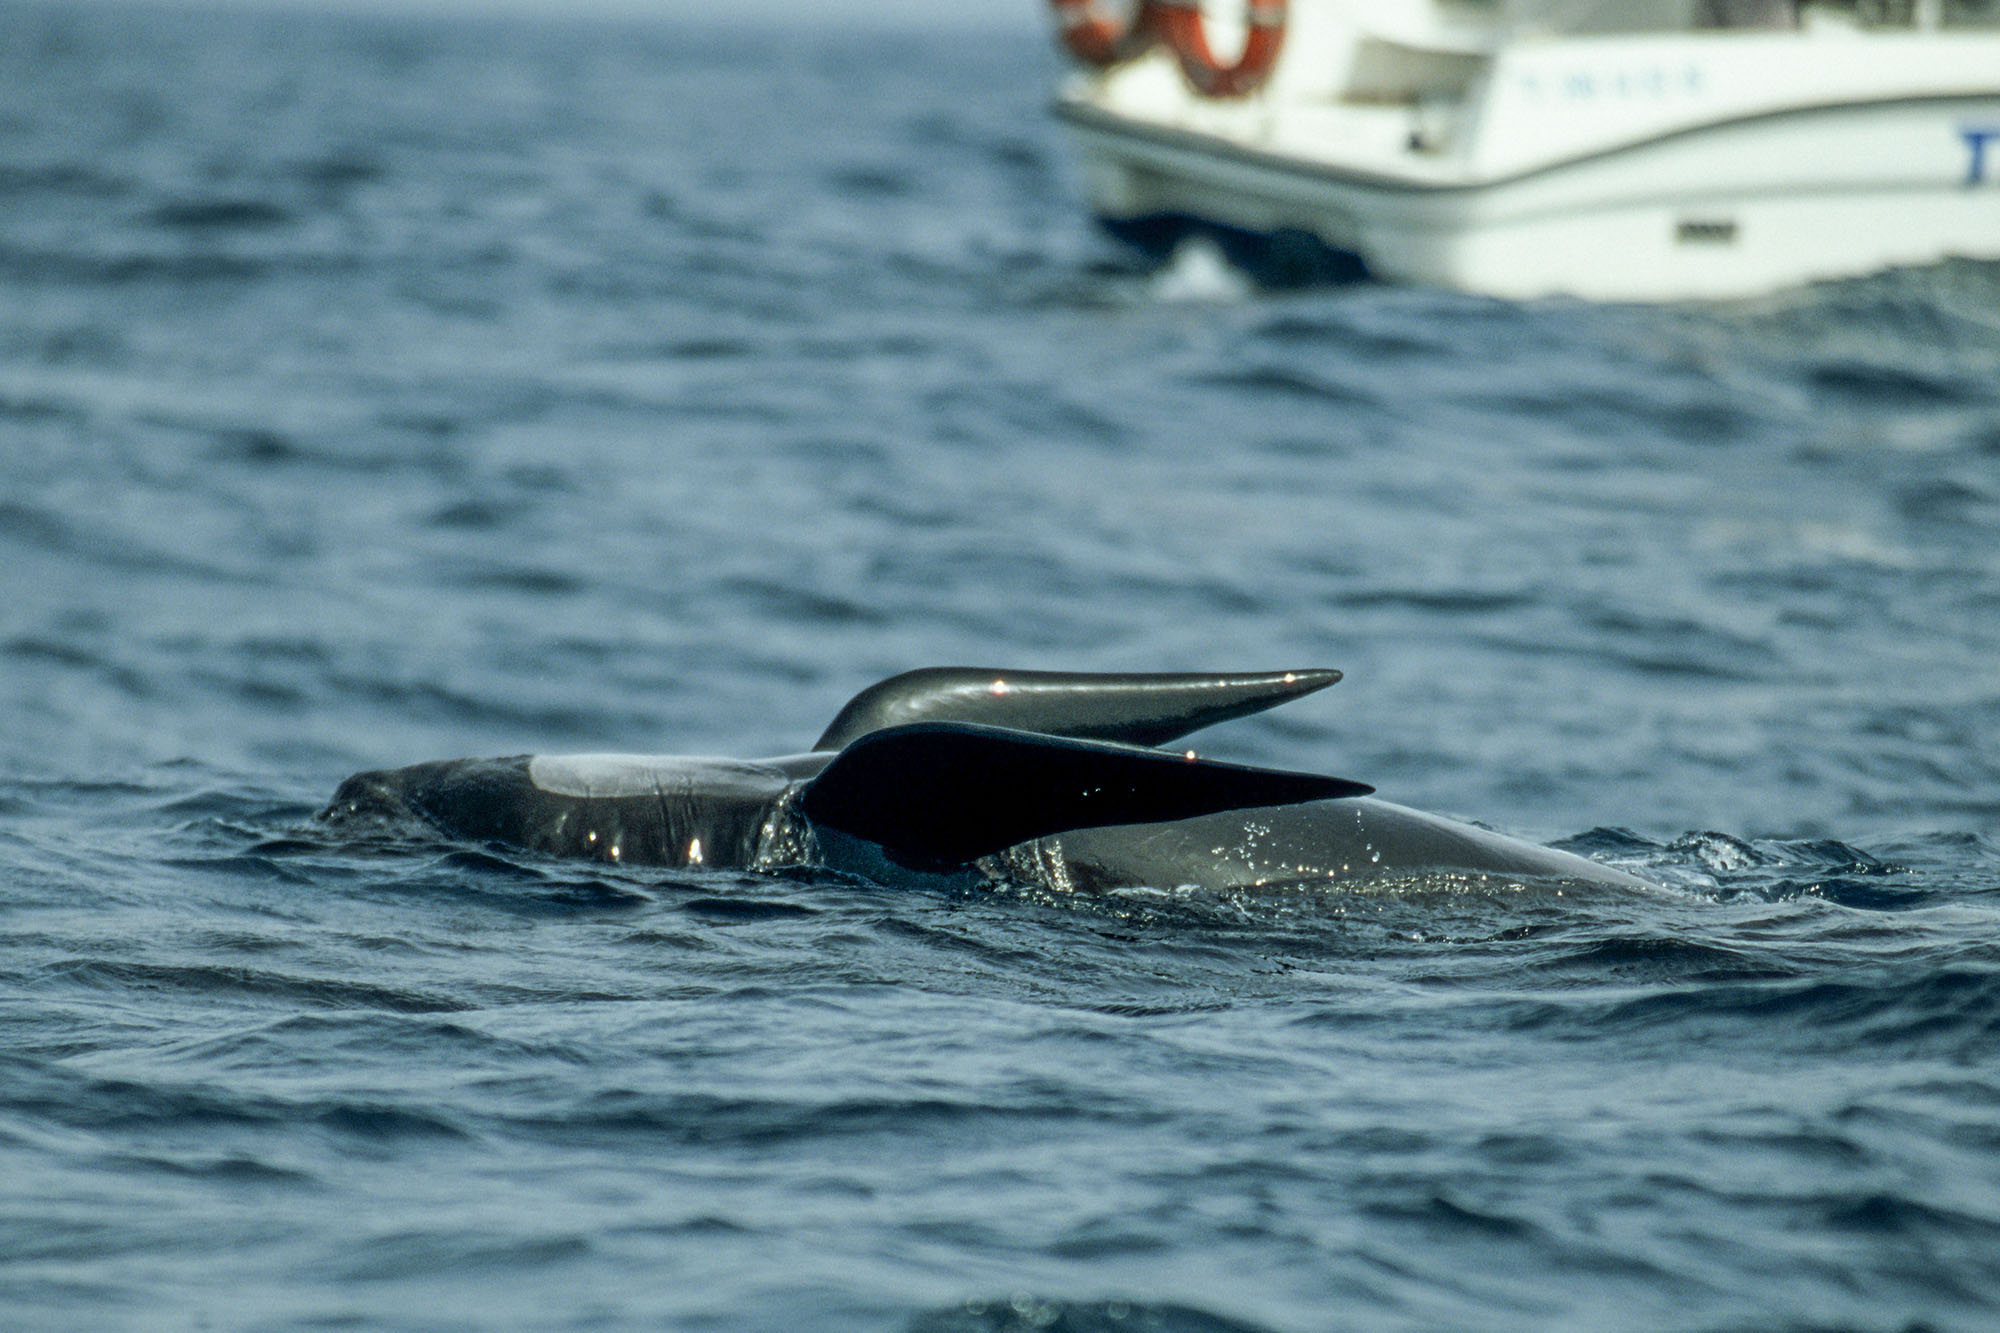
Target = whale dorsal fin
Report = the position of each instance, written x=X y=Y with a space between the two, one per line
x=940 y=794
x=1148 y=708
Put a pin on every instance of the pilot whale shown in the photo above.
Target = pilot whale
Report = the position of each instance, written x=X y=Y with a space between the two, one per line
x=961 y=774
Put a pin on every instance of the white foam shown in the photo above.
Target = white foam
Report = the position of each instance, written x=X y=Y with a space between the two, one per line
x=1199 y=272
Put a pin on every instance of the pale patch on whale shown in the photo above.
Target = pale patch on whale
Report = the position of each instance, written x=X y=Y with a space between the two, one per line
x=615 y=775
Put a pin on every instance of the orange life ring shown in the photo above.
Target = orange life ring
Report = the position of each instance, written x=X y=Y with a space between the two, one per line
x=1097 y=39
x=1180 y=23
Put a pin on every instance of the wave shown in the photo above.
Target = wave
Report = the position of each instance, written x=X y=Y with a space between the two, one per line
x=1022 y=1312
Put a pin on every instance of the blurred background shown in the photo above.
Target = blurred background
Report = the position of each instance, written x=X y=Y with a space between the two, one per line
x=392 y=386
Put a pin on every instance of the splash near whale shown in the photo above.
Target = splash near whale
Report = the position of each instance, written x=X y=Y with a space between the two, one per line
x=962 y=774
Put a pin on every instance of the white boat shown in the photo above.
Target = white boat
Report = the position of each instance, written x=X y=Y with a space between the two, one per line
x=1648 y=150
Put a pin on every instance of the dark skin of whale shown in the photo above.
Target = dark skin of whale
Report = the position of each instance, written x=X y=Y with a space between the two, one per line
x=960 y=775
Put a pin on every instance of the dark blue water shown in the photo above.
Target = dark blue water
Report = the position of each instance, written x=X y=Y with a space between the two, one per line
x=377 y=391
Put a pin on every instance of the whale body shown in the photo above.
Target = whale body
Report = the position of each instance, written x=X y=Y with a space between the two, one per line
x=958 y=774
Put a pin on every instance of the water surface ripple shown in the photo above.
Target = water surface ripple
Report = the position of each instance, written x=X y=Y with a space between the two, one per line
x=374 y=391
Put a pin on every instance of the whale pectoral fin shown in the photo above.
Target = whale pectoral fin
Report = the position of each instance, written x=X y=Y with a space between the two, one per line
x=941 y=794
x=1139 y=708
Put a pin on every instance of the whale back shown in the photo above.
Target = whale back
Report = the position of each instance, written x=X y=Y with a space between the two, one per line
x=1136 y=708
x=661 y=810
x=1319 y=842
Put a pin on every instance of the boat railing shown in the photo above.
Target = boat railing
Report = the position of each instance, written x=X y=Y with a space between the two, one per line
x=1433 y=52
x=1503 y=20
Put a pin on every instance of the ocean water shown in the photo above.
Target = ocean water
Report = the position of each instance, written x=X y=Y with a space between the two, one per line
x=374 y=391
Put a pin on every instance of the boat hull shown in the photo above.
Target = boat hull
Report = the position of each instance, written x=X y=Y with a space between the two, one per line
x=1720 y=211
